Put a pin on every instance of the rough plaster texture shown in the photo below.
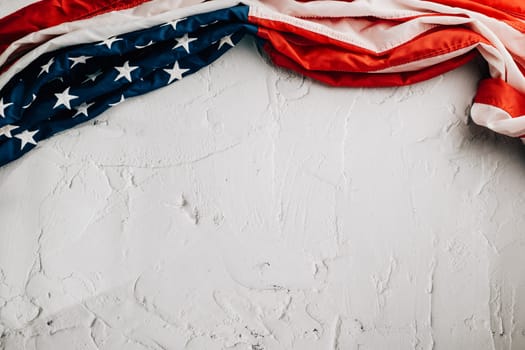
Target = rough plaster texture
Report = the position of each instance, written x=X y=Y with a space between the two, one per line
x=248 y=208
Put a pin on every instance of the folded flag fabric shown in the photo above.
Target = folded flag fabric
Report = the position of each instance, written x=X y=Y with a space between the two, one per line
x=84 y=57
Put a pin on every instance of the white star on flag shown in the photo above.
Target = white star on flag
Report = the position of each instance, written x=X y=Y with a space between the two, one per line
x=109 y=41
x=208 y=24
x=175 y=72
x=6 y=130
x=46 y=67
x=226 y=40
x=26 y=137
x=184 y=41
x=64 y=98
x=83 y=109
x=122 y=99
x=30 y=103
x=144 y=46
x=79 y=59
x=174 y=23
x=3 y=106
x=125 y=71
x=93 y=76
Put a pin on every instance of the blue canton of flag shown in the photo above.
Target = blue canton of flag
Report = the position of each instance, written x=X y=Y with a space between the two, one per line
x=64 y=88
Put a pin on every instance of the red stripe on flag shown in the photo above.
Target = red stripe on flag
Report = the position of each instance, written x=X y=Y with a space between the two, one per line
x=48 y=13
x=314 y=51
x=498 y=93
x=510 y=12
x=357 y=79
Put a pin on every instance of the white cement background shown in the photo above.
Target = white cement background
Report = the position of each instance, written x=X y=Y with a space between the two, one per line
x=313 y=218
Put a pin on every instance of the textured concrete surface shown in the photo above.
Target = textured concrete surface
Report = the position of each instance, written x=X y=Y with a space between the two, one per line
x=248 y=208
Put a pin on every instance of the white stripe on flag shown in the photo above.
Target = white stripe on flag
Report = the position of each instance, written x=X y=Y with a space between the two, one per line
x=497 y=120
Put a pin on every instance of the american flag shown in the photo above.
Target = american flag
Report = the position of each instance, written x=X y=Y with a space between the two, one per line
x=79 y=59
